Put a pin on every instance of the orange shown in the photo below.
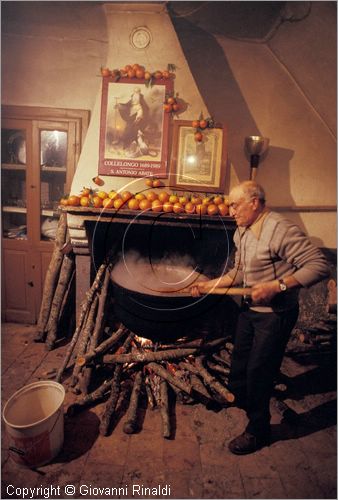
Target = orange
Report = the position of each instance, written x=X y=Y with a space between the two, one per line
x=145 y=204
x=126 y=195
x=157 y=183
x=163 y=196
x=73 y=201
x=140 y=196
x=133 y=204
x=190 y=208
x=206 y=200
x=168 y=108
x=171 y=100
x=198 y=137
x=212 y=209
x=196 y=200
x=85 y=192
x=157 y=206
x=195 y=123
x=178 y=208
x=151 y=196
x=147 y=75
x=203 y=124
x=131 y=73
x=149 y=182
x=118 y=203
x=105 y=72
x=201 y=209
x=158 y=74
x=173 y=198
x=97 y=201
x=166 y=74
x=217 y=200
x=84 y=201
x=108 y=203
x=113 y=194
x=167 y=206
x=139 y=73
x=183 y=200
x=223 y=209
x=102 y=194
x=64 y=202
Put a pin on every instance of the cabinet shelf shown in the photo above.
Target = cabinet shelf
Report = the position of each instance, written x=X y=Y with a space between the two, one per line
x=13 y=166
x=14 y=210
x=61 y=170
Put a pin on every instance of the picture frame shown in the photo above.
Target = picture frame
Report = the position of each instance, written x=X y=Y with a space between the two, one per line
x=134 y=128
x=198 y=166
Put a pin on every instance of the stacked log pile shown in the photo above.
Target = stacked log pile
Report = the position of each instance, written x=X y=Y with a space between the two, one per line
x=57 y=308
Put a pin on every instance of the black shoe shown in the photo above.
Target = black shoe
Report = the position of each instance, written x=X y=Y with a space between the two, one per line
x=247 y=443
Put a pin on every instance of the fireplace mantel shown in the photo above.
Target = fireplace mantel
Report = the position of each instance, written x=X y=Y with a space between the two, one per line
x=77 y=217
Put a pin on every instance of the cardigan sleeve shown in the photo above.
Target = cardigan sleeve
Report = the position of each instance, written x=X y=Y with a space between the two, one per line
x=295 y=248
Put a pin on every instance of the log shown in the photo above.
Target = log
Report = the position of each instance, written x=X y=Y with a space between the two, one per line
x=219 y=369
x=150 y=396
x=83 y=312
x=66 y=272
x=212 y=382
x=84 y=338
x=221 y=360
x=164 y=408
x=141 y=356
x=114 y=394
x=102 y=348
x=51 y=279
x=163 y=373
x=130 y=425
x=89 y=399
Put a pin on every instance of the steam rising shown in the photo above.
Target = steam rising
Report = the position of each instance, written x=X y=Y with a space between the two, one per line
x=169 y=274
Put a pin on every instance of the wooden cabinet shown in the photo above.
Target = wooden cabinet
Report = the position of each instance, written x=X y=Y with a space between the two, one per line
x=39 y=152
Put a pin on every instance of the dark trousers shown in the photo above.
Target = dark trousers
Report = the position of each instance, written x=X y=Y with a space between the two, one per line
x=259 y=347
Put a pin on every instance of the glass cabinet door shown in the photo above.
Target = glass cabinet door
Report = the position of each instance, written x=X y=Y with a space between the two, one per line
x=53 y=169
x=13 y=183
x=55 y=158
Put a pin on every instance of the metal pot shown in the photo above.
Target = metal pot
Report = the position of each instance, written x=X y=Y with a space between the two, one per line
x=166 y=317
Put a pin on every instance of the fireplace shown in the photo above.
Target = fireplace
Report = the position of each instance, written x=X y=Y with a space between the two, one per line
x=197 y=247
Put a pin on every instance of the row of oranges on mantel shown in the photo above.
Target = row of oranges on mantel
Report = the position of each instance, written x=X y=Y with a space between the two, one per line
x=150 y=201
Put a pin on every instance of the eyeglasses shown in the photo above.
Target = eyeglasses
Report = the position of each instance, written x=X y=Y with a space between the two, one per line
x=235 y=205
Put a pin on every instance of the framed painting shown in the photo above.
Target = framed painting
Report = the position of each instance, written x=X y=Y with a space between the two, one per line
x=134 y=128
x=198 y=165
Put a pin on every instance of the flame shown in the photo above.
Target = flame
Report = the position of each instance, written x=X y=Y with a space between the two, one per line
x=143 y=341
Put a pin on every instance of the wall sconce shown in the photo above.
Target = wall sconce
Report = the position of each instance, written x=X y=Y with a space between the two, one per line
x=255 y=146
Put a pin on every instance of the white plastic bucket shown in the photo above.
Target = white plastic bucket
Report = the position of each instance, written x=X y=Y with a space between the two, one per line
x=34 y=423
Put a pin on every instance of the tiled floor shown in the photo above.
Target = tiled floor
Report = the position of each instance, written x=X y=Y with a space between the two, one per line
x=301 y=462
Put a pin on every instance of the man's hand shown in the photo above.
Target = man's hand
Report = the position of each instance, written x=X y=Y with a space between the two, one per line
x=263 y=293
x=200 y=288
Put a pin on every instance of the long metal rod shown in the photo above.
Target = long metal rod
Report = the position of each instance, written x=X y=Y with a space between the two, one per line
x=214 y=291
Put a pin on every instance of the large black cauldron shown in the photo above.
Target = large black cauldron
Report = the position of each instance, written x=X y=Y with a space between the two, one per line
x=168 y=317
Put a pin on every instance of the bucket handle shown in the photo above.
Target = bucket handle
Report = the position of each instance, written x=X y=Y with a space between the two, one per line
x=21 y=452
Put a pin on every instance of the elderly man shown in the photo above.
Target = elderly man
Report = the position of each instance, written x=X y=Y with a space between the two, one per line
x=274 y=258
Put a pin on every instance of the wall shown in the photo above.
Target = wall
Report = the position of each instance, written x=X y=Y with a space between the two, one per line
x=283 y=89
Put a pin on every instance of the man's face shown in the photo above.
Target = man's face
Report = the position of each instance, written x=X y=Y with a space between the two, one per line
x=243 y=209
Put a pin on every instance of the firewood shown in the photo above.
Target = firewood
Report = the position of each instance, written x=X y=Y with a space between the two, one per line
x=114 y=394
x=91 y=398
x=85 y=306
x=84 y=338
x=212 y=382
x=150 y=396
x=61 y=290
x=308 y=338
x=164 y=408
x=98 y=329
x=51 y=279
x=102 y=348
x=130 y=425
x=200 y=390
x=218 y=368
x=141 y=356
x=221 y=360
x=162 y=372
